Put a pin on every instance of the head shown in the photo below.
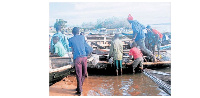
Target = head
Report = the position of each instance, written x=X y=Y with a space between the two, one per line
x=75 y=31
x=82 y=33
x=55 y=39
x=116 y=36
x=62 y=31
x=130 y=18
x=58 y=28
x=134 y=44
x=148 y=27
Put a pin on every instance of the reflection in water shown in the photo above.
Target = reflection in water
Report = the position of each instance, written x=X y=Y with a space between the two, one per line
x=125 y=85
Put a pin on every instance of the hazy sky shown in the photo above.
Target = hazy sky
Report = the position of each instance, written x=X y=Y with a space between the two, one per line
x=78 y=12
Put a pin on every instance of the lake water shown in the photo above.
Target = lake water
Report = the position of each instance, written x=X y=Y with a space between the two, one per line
x=126 y=85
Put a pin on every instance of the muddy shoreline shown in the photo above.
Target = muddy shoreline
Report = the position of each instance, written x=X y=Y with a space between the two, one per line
x=101 y=85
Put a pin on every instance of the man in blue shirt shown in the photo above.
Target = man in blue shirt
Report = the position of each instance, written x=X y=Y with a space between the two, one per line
x=139 y=36
x=62 y=40
x=80 y=50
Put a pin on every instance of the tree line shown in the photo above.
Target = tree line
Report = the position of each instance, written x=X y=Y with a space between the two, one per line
x=109 y=23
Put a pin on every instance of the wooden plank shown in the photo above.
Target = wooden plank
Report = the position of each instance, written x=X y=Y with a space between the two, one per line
x=60 y=69
x=144 y=63
x=58 y=74
x=151 y=63
x=57 y=62
x=156 y=63
x=59 y=57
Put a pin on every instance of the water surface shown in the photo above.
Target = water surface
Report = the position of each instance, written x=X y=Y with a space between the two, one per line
x=125 y=85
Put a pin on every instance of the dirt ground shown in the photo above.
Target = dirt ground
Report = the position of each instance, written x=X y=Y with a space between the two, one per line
x=65 y=87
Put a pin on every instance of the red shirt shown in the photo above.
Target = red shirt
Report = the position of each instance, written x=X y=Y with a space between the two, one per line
x=157 y=32
x=135 y=52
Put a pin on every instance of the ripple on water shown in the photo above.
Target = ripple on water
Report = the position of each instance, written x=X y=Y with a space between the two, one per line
x=93 y=93
x=126 y=85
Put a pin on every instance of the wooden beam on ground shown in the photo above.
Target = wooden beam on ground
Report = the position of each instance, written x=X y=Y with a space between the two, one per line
x=144 y=63
x=156 y=63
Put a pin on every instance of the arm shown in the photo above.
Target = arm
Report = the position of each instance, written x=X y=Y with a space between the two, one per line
x=55 y=54
x=143 y=27
x=51 y=46
x=111 y=50
x=130 y=56
x=72 y=50
x=70 y=44
x=65 y=43
x=134 y=31
x=88 y=49
x=134 y=36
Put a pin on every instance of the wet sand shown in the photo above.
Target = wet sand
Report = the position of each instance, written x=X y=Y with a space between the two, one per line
x=65 y=87
x=125 y=85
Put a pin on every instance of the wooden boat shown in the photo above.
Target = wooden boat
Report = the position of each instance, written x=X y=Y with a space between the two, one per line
x=59 y=67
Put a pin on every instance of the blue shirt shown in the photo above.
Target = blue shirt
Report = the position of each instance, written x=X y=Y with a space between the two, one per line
x=79 y=45
x=138 y=28
x=62 y=40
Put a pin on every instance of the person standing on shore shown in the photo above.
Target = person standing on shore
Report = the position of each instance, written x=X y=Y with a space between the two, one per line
x=139 y=36
x=116 y=50
x=80 y=50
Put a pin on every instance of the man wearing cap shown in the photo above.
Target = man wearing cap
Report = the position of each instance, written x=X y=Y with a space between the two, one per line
x=139 y=36
x=156 y=37
x=116 y=50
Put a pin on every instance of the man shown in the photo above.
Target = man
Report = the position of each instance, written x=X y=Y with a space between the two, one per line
x=156 y=37
x=139 y=36
x=149 y=40
x=62 y=39
x=116 y=50
x=137 y=55
x=80 y=50
x=59 y=49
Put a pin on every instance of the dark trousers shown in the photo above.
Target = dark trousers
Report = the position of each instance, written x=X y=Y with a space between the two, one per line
x=142 y=46
x=81 y=71
x=158 y=48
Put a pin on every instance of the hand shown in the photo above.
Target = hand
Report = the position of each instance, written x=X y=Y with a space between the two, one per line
x=108 y=58
x=126 y=60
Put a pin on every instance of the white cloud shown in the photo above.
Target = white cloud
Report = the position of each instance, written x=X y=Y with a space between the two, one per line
x=144 y=12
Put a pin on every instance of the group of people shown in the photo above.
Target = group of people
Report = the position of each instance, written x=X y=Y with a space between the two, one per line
x=152 y=39
x=116 y=51
x=80 y=49
x=59 y=44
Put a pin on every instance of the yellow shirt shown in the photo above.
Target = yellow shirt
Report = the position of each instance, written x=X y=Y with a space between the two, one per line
x=116 y=49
